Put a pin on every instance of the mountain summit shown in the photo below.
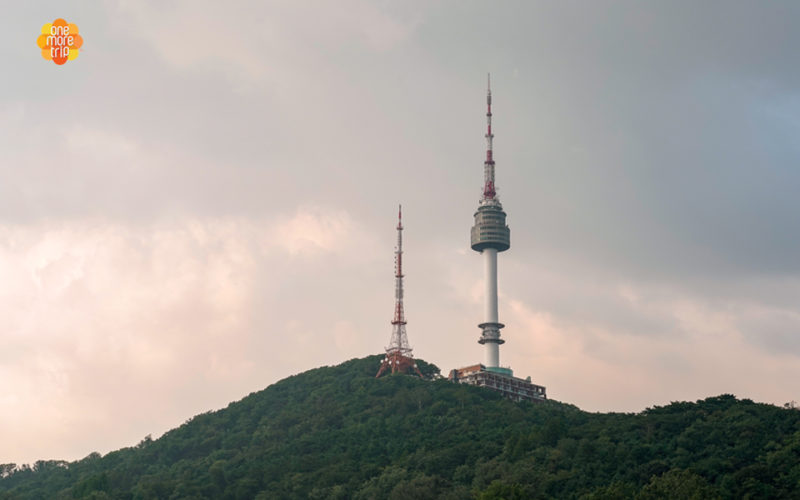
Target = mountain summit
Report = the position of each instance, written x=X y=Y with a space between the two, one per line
x=338 y=432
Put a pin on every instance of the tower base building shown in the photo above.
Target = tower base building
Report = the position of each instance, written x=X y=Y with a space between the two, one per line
x=500 y=380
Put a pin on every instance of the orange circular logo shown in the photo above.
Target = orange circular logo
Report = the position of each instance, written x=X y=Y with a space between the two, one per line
x=60 y=41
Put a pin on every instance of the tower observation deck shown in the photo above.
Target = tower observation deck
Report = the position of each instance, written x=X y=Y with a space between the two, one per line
x=490 y=235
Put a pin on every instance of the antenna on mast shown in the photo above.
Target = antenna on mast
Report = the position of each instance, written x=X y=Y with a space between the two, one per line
x=489 y=191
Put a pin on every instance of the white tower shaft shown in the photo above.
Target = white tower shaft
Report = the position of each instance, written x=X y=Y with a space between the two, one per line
x=492 y=349
x=490 y=274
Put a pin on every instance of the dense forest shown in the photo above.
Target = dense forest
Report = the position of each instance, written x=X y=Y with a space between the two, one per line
x=337 y=432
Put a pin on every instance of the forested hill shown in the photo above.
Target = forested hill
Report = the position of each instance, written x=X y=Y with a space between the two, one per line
x=337 y=432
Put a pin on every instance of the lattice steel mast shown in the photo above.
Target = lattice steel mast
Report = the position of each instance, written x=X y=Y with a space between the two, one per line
x=398 y=353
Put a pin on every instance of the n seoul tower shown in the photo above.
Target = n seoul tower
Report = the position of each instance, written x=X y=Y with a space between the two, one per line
x=490 y=235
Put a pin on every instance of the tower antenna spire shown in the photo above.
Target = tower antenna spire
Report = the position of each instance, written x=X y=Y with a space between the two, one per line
x=488 y=165
x=398 y=353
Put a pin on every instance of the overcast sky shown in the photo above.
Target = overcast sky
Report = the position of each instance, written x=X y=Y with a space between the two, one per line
x=204 y=202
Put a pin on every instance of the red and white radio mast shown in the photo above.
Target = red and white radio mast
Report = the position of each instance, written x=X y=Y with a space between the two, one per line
x=398 y=353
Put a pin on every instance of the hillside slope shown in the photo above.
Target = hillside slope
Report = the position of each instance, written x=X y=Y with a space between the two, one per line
x=337 y=432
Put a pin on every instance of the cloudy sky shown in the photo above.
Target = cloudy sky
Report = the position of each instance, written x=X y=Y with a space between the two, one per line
x=204 y=202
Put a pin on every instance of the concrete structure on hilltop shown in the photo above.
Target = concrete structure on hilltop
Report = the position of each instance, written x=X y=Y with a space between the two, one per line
x=490 y=235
